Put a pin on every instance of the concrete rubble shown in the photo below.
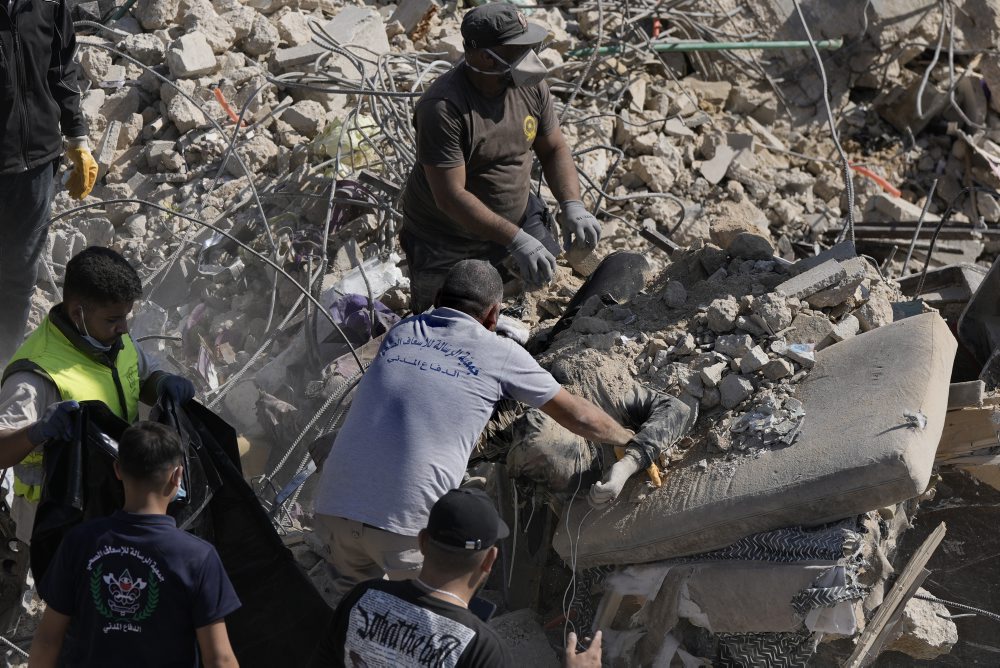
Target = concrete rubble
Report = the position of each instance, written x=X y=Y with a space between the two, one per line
x=253 y=116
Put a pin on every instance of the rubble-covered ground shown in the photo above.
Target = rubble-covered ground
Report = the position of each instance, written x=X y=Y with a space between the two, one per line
x=239 y=138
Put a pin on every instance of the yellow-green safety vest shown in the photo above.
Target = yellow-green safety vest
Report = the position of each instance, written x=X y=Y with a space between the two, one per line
x=78 y=376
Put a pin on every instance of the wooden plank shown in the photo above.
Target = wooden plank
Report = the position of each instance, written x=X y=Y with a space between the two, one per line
x=891 y=626
x=904 y=587
x=607 y=609
x=967 y=430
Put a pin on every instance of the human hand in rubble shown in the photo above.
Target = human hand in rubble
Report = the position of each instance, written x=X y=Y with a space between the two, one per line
x=55 y=424
x=607 y=491
x=591 y=658
x=84 y=175
x=578 y=225
x=174 y=387
x=536 y=263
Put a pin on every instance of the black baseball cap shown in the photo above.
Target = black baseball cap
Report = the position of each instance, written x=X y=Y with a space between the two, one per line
x=499 y=23
x=465 y=519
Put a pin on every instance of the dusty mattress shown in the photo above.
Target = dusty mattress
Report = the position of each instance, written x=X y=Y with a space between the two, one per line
x=857 y=452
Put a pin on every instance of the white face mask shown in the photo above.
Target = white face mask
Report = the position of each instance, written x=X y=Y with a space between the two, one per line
x=82 y=327
x=527 y=71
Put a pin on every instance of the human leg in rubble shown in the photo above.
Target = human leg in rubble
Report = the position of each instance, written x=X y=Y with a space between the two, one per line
x=416 y=418
x=80 y=352
x=478 y=128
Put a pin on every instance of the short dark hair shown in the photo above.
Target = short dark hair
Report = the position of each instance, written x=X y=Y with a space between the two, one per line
x=472 y=287
x=101 y=275
x=148 y=451
x=454 y=563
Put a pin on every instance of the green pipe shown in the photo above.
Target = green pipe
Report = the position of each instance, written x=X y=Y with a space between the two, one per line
x=714 y=46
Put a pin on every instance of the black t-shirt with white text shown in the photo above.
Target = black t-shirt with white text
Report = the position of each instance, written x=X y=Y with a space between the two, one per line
x=381 y=624
x=136 y=588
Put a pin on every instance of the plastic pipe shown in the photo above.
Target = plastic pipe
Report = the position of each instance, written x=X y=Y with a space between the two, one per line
x=661 y=47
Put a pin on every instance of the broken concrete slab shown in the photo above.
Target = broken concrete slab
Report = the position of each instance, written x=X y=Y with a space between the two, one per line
x=750 y=247
x=734 y=345
x=777 y=369
x=409 y=13
x=845 y=250
x=812 y=328
x=857 y=270
x=813 y=280
x=925 y=630
x=734 y=390
x=846 y=328
x=722 y=314
x=358 y=26
x=190 y=56
x=753 y=360
x=877 y=312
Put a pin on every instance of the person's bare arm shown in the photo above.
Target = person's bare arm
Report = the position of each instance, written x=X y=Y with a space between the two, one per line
x=557 y=165
x=585 y=419
x=213 y=642
x=48 y=640
x=14 y=446
x=448 y=187
x=589 y=659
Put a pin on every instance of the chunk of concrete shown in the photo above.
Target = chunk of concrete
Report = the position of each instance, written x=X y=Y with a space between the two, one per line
x=734 y=345
x=925 y=632
x=722 y=314
x=358 y=26
x=753 y=360
x=711 y=375
x=734 y=390
x=813 y=280
x=190 y=56
x=877 y=312
x=307 y=117
x=725 y=230
x=751 y=247
x=772 y=312
x=674 y=294
x=856 y=269
x=846 y=328
x=897 y=209
x=845 y=250
x=812 y=328
x=777 y=369
x=411 y=12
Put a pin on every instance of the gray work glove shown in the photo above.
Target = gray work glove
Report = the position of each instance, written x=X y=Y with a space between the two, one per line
x=56 y=423
x=606 y=491
x=536 y=263
x=578 y=224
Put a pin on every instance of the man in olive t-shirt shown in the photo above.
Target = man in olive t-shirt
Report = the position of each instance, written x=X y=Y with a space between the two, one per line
x=477 y=125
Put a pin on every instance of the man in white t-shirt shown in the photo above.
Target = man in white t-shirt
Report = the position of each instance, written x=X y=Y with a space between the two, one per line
x=416 y=417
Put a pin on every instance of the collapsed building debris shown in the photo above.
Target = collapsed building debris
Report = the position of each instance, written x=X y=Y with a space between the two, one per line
x=229 y=131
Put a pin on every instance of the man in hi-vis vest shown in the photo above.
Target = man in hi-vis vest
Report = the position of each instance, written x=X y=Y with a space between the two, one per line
x=80 y=352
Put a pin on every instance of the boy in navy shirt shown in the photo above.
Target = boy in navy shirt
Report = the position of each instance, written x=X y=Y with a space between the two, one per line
x=132 y=589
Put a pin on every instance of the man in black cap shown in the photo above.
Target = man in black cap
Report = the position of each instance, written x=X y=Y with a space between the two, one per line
x=427 y=621
x=468 y=195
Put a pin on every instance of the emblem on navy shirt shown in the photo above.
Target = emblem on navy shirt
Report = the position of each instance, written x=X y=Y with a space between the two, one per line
x=119 y=596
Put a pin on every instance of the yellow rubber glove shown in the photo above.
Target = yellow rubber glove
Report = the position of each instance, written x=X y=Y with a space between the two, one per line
x=84 y=175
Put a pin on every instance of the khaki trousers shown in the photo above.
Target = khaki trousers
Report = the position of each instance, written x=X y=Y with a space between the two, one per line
x=360 y=552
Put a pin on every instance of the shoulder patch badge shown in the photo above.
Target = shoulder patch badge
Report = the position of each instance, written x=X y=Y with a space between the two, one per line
x=530 y=127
